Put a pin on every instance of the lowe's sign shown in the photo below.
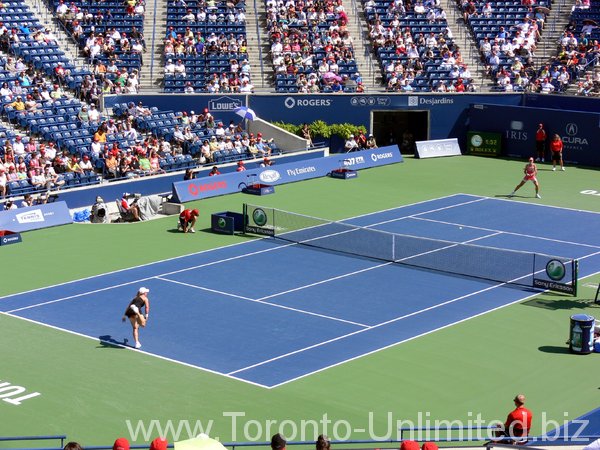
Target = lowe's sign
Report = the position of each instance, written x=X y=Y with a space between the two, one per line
x=229 y=183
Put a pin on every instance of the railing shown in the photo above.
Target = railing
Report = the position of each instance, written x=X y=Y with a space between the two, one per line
x=546 y=440
x=61 y=438
x=366 y=44
x=260 y=55
x=153 y=43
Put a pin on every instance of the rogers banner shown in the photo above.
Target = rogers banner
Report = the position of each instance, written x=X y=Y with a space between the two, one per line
x=186 y=191
x=35 y=217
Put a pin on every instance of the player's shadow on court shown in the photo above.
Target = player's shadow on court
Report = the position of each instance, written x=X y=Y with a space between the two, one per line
x=513 y=196
x=554 y=349
x=107 y=341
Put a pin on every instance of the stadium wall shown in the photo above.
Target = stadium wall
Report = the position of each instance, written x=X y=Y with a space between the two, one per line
x=449 y=116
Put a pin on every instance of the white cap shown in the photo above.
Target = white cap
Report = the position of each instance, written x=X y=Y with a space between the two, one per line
x=143 y=290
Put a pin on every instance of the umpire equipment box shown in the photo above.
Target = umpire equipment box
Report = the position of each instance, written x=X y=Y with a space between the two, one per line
x=227 y=222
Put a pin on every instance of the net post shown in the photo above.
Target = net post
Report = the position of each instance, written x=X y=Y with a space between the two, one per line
x=575 y=276
x=245 y=216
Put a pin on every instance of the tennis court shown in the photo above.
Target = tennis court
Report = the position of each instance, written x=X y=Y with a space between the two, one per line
x=295 y=310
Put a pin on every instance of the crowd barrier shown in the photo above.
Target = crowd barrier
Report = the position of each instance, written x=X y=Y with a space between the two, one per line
x=185 y=191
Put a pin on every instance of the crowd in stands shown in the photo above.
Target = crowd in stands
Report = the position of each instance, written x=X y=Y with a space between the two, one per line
x=508 y=32
x=137 y=141
x=311 y=48
x=416 y=47
x=110 y=38
x=205 y=47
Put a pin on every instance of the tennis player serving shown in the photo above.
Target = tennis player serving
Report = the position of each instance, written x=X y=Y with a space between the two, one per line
x=134 y=313
x=530 y=172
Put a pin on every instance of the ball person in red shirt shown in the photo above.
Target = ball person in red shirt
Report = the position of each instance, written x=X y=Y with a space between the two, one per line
x=530 y=172
x=556 y=146
x=187 y=220
x=540 y=143
x=518 y=423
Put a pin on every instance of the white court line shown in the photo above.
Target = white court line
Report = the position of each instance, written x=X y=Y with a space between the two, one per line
x=211 y=250
x=382 y=323
x=387 y=323
x=115 y=344
x=328 y=280
x=150 y=278
x=232 y=258
x=530 y=236
x=275 y=305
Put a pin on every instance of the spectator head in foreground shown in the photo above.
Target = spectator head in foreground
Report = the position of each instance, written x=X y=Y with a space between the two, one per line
x=278 y=442
x=121 y=444
x=160 y=443
x=323 y=442
x=73 y=446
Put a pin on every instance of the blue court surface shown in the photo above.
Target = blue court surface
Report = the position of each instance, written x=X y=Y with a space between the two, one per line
x=268 y=312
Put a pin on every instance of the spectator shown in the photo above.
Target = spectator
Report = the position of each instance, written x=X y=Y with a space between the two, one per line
x=350 y=145
x=27 y=201
x=159 y=443
x=129 y=209
x=323 y=443
x=278 y=442
x=214 y=171
x=518 y=423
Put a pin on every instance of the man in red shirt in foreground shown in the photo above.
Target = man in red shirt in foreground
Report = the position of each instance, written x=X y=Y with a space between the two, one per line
x=518 y=423
x=187 y=220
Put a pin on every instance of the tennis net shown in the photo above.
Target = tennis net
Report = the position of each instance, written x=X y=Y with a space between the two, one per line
x=470 y=260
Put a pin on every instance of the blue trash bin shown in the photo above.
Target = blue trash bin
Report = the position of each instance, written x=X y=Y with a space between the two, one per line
x=581 y=336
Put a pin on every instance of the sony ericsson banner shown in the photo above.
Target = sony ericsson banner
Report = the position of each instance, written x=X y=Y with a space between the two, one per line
x=185 y=191
x=556 y=274
x=35 y=217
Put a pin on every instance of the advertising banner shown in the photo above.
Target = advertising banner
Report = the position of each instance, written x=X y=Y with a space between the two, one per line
x=35 y=217
x=579 y=131
x=185 y=191
x=437 y=148
x=482 y=143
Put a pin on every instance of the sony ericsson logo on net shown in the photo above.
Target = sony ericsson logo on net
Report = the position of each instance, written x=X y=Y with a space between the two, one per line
x=224 y=104
x=222 y=223
x=555 y=270
x=269 y=176
x=291 y=102
x=30 y=216
x=259 y=217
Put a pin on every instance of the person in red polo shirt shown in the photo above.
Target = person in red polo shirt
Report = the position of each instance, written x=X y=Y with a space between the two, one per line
x=518 y=423
x=187 y=220
x=540 y=143
x=556 y=146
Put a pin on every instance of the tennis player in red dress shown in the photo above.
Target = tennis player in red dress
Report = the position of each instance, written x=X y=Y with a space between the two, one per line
x=530 y=172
